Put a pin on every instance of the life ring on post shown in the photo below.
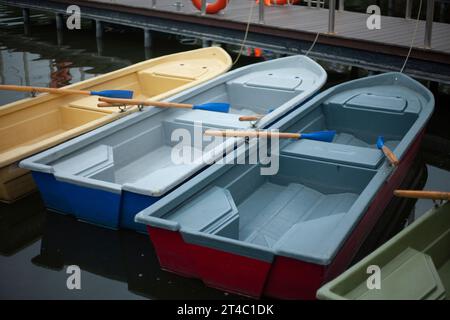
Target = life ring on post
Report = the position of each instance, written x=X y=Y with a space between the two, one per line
x=211 y=7
x=279 y=2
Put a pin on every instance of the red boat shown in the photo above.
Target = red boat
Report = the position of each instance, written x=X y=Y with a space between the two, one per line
x=284 y=235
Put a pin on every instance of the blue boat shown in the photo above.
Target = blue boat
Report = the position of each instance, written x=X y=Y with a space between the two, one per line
x=108 y=175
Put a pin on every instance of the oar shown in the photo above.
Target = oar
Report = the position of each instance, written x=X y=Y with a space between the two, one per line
x=255 y=117
x=387 y=152
x=251 y=118
x=212 y=106
x=326 y=136
x=125 y=94
x=420 y=194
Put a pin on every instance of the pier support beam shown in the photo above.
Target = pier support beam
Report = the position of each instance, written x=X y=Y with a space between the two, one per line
x=98 y=29
x=148 y=40
x=26 y=20
x=206 y=43
x=390 y=8
x=59 y=28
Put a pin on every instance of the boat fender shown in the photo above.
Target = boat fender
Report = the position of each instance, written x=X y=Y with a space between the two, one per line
x=211 y=7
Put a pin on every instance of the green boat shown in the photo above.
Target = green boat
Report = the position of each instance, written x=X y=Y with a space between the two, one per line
x=413 y=265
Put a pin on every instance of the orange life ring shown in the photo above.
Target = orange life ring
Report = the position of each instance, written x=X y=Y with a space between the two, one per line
x=279 y=2
x=211 y=7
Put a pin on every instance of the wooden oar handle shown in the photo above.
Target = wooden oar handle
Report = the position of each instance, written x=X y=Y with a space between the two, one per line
x=44 y=90
x=420 y=194
x=252 y=134
x=390 y=155
x=135 y=102
x=250 y=118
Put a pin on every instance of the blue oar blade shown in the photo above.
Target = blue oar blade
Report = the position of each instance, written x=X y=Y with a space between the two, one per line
x=214 y=106
x=119 y=94
x=380 y=142
x=326 y=136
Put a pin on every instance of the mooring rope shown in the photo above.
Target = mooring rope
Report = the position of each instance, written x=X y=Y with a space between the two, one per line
x=246 y=33
x=313 y=44
x=413 y=38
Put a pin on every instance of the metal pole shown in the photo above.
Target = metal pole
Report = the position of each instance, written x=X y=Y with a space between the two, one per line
x=309 y=3
x=408 y=9
x=331 y=15
x=429 y=23
x=153 y=3
x=318 y=4
x=341 y=5
x=261 y=11
x=203 y=7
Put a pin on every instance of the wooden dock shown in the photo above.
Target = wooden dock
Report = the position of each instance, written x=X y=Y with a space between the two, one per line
x=285 y=30
x=303 y=23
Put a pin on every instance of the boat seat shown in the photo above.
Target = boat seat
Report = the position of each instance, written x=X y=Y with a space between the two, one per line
x=264 y=223
x=90 y=103
x=164 y=77
x=335 y=152
x=213 y=212
x=212 y=119
x=307 y=240
x=409 y=265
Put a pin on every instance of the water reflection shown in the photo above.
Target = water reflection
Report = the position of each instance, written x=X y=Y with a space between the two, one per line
x=21 y=224
x=119 y=255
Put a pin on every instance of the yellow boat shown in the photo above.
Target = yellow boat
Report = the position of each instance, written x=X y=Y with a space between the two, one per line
x=32 y=125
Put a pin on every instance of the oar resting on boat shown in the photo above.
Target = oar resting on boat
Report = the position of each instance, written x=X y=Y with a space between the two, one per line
x=125 y=94
x=326 y=136
x=387 y=152
x=421 y=194
x=212 y=106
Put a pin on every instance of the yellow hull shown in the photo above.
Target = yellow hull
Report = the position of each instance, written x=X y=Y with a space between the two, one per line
x=32 y=125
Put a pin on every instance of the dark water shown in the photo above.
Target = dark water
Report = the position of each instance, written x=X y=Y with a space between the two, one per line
x=36 y=246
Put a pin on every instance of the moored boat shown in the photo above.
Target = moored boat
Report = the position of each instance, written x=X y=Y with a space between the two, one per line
x=32 y=125
x=110 y=174
x=286 y=234
x=413 y=265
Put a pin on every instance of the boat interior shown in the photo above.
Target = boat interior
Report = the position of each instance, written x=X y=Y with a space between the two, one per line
x=318 y=183
x=140 y=156
x=47 y=116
